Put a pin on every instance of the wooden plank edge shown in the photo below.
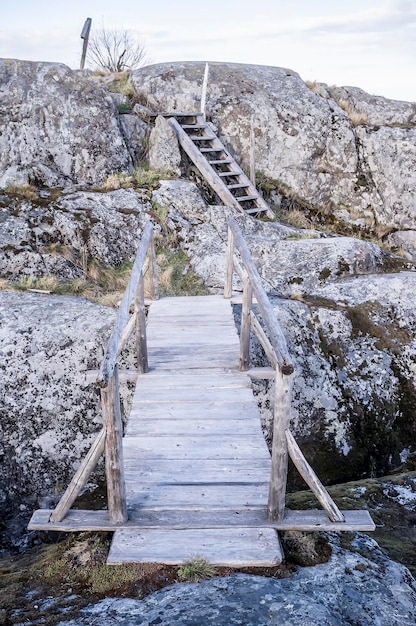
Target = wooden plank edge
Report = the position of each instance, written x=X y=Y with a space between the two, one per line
x=312 y=520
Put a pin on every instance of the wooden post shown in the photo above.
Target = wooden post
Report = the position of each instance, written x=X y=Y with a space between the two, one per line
x=229 y=270
x=204 y=91
x=151 y=285
x=278 y=477
x=141 y=341
x=114 y=466
x=252 y=154
x=245 y=324
x=85 y=34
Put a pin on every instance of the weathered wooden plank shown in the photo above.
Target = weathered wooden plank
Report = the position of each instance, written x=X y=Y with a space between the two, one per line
x=208 y=410
x=312 y=520
x=186 y=470
x=193 y=394
x=209 y=379
x=198 y=358
x=214 y=447
x=235 y=547
x=168 y=427
x=204 y=496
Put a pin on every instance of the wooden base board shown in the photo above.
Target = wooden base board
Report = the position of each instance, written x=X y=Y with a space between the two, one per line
x=232 y=547
x=312 y=520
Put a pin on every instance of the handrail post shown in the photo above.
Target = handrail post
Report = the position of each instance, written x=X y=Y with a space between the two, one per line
x=245 y=324
x=114 y=466
x=141 y=339
x=151 y=285
x=229 y=270
x=278 y=476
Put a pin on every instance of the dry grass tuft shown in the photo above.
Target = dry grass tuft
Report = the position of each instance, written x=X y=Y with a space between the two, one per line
x=356 y=117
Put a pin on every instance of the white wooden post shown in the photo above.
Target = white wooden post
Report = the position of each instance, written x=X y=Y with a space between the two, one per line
x=204 y=91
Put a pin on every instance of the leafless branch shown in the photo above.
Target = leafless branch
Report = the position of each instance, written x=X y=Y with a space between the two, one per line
x=115 y=51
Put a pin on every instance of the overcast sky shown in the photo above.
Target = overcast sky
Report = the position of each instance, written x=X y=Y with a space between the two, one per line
x=366 y=43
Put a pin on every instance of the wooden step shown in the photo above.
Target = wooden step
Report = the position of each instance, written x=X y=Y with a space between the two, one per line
x=176 y=114
x=202 y=137
x=232 y=547
x=246 y=198
x=225 y=174
x=194 y=126
x=258 y=209
x=221 y=162
x=239 y=186
x=211 y=150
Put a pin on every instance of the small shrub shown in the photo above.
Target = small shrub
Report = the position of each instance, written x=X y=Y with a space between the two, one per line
x=196 y=569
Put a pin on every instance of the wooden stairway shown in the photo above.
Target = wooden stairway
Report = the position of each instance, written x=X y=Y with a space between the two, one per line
x=216 y=164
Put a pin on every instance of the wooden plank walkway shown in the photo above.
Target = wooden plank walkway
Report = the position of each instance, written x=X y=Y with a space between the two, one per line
x=193 y=445
x=196 y=464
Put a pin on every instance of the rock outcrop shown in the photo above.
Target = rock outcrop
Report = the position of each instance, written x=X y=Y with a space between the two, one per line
x=48 y=415
x=57 y=127
x=69 y=234
x=343 y=152
x=357 y=586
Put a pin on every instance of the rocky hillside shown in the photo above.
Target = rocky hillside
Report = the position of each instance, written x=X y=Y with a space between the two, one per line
x=336 y=165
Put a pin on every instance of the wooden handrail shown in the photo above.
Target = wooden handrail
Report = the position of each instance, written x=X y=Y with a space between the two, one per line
x=277 y=338
x=111 y=354
x=276 y=350
x=109 y=439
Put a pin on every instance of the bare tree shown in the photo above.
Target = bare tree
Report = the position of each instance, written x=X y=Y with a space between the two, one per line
x=115 y=51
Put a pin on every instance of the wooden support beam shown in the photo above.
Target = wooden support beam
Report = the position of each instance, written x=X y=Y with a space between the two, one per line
x=141 y=341
x=311 y=520
x=228 y=283
x=114 y=465
x=245 y=325
x=80 y=478
x=151 y=284
x=312 y=479
x=278 y=475
x=261 y=336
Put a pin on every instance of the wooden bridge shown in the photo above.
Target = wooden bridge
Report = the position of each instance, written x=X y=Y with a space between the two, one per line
x=193 y=475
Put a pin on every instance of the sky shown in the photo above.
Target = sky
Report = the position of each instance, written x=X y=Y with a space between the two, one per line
x=369 y=44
